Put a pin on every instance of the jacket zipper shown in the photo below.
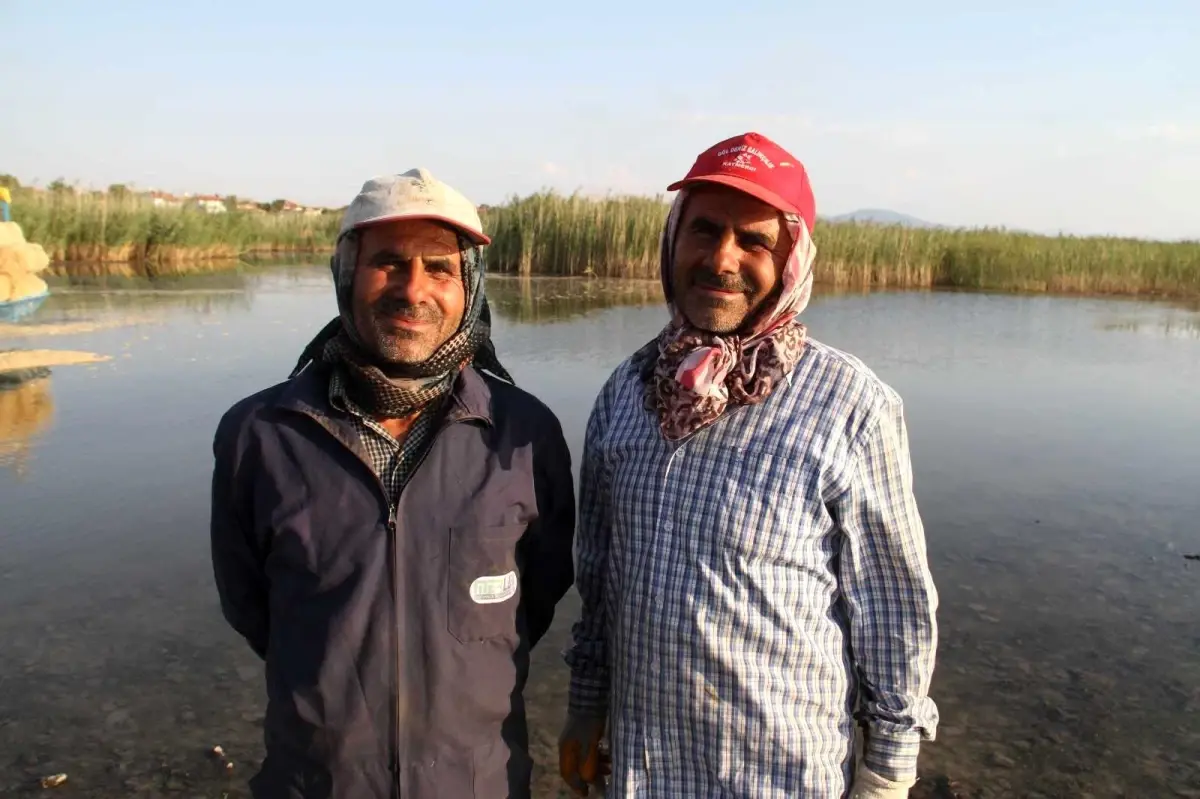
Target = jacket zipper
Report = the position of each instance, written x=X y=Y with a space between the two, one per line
x=393 y=574
x=393 y=544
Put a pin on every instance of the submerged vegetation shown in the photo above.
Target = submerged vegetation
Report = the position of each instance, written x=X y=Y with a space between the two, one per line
x=550 y=234
x=531 y=300
x=555 y=235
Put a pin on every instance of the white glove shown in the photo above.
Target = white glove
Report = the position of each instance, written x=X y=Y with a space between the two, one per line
x=869 y=785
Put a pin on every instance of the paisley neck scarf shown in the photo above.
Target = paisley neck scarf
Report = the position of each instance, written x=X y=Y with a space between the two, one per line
x=693 y=376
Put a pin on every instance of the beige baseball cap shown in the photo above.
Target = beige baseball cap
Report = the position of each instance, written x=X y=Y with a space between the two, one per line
x=415 y=194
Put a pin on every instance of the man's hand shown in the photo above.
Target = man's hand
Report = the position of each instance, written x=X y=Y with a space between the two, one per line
x=869 y=785
x=580 y=761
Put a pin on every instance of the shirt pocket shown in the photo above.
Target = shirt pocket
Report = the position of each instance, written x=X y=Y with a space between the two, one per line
x=767 y=507
x=484 y=582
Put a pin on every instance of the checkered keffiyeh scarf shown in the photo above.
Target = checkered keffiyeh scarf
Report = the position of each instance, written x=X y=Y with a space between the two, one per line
x=399 y=390
x=693 y=376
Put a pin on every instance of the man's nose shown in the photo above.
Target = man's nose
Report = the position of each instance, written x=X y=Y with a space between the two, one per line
x=725 y=257
x=412 y=282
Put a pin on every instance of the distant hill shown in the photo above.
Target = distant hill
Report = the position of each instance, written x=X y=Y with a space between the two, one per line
x=882 y=216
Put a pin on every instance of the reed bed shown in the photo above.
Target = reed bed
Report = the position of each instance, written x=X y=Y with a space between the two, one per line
x=550 y=234
x=126 y=227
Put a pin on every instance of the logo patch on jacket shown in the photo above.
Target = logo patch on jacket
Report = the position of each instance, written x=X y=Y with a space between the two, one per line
x=490 y=590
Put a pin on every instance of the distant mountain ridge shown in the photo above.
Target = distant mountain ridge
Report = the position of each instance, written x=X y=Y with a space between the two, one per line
x=882 y=216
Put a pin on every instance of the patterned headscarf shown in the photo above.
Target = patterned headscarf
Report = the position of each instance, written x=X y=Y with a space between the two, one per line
x=693 y=376
x=399 y=390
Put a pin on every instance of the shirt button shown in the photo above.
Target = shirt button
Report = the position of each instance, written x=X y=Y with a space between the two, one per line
x=667 y=527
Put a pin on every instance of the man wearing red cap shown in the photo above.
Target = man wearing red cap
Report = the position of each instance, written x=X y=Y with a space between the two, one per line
x=750 y=558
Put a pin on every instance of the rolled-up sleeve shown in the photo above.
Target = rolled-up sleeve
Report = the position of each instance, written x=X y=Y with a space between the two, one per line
x=587 y=656
x=889 y=595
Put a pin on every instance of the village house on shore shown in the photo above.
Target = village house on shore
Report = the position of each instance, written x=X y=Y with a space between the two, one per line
x=216 y=204
x=123 y=193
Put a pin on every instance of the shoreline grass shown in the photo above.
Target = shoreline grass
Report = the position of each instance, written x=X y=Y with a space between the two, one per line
x=125 y=228
x=548 y=234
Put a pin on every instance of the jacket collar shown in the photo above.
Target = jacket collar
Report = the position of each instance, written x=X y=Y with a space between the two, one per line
x=308 y=392
x=471 y=397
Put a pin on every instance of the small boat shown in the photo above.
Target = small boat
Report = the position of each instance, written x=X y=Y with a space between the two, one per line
x=20 y=262
x=16 y=310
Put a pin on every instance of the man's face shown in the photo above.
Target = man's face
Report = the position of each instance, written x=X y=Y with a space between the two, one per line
x=408 y=294
x=730 y=251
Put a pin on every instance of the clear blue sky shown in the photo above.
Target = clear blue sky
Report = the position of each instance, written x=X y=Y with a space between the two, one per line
x=1078 y=116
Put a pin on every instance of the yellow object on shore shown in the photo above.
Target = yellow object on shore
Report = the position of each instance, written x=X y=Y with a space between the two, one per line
x=5 y=197
x=30 y=258
x=20 y=262
x=10 y=234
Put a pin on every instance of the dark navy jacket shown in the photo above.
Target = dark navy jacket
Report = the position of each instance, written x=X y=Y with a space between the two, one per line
x=396 y=647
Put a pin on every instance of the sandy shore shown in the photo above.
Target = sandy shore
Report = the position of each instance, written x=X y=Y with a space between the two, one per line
x=25 y=331
x=31 y=359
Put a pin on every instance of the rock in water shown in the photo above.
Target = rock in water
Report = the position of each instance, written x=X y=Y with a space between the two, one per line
x=54 y=780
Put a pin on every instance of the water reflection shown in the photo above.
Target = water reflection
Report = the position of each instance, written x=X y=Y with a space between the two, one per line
x=26 y=411
x=99 y=271
x=1059 y=495
x=209 y=288
x=111 y=294
x=125 y=288
x=536 y=300
x=1171 y=327
x=531 y=300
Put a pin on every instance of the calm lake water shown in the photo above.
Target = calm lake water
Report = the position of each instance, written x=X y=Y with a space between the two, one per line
x=1056 y=445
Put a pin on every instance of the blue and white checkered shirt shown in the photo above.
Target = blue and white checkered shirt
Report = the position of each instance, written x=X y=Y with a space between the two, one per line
x=750 y=589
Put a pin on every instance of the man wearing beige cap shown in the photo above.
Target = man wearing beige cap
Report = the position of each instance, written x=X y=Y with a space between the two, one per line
x=392 y=526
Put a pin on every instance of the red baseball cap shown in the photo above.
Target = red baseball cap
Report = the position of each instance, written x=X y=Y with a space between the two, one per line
x=754 y=164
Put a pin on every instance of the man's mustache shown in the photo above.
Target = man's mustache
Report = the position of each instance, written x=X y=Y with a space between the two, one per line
x=392 y=307
x=724 y=281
